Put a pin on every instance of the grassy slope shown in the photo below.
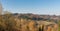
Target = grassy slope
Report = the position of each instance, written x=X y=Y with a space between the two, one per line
x=9 y=22
x=59 y=25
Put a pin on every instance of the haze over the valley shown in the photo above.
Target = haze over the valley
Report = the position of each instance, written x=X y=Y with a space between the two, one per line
x=47 y=7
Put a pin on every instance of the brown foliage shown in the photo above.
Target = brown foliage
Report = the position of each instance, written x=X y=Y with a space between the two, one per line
x=11 y=23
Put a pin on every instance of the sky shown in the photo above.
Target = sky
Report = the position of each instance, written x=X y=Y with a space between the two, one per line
x=51 y=7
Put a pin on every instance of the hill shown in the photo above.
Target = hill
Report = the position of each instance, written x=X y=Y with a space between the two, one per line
x=27 y=22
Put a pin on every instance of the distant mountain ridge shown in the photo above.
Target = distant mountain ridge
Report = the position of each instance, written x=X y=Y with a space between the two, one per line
x=37 y=17
x=54 y=17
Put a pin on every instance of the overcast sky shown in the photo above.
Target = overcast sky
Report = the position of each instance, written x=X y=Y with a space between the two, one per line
x=32 y=6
